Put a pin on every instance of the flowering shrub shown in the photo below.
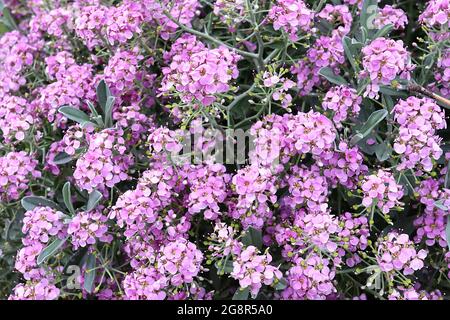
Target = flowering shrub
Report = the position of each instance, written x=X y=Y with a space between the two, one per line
x=220 y=149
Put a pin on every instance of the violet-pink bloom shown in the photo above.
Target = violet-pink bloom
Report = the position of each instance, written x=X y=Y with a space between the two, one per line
x=16 y=171
x=397 y=253
x=391 y=15
x=292 y=16
x=197 y=73
x=253 y=270
x=381 y=186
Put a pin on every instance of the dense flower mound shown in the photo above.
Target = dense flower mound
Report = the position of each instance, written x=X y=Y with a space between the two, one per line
x=224 y=149
x=198 y=73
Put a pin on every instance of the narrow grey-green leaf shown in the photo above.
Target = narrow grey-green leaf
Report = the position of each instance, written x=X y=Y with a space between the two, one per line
x=50 y=250
x=89 y=276
x=349 y=52
x=241 y=294
x=74 y=114
x=31 y=202
x=253 y=237
x=384 y=31
x=281 y=284
x=8 y=19
x=328 y=74
x=67 y=196
x=374 y=119
x=440 y=205
x=108 y=111
x=62 y=158
x=94 y=199
x=103 y=93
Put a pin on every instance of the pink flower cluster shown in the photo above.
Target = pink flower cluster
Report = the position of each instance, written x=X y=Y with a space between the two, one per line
x=255 y=189
x=339 y=16
x=344 y=166
x=417 y=141
x=307 y=187
x=40 y=224
x=16 y=171
x=122 y=71
x=309 y=279
x=432 y=222
x=391 y=15
x=383 y=61
x=86 y=228
x=344 y=102
x=436 y=16
x=98 y=23
x=325 y=52
x=208 y=188
x=197 y=73
x=40 y=287
x=16 y=118
x=381 y=189
x=397 y=252
x=253 y=269
x=292 y=16
x=105 y=163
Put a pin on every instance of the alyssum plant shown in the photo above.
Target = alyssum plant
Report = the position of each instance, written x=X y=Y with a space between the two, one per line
x=344 y=195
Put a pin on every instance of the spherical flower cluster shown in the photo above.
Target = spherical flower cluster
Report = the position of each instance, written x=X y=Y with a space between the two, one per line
x=16 y=54
x=292 y=16
x=279 y=138
x=325 y=52
x=72 y=86
x=436 y=16
x=40 y=288
x=384 y=60
x=390 y=15
x=253 y=269
x=309 y=279
x=307 y=187
x=339 y=16
x=310 y=132
x=16 y=170
x=344 y=101
x=121 y=71
x=180 y=261
x=113 y=24
x=231 y=12
x=145 y=283
x=304 y=229
x=417 y=142
x=52 y=22
x=57 y=65
x=40 y=224
x=397 y=252
x=256 y=189
x=382 y=187
x=16 y=118
x=198 y=73
x=208 y=188
x=432 y=222
x=344 y=166
x=105 y=163
x=141 y=210
x=86 y=228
